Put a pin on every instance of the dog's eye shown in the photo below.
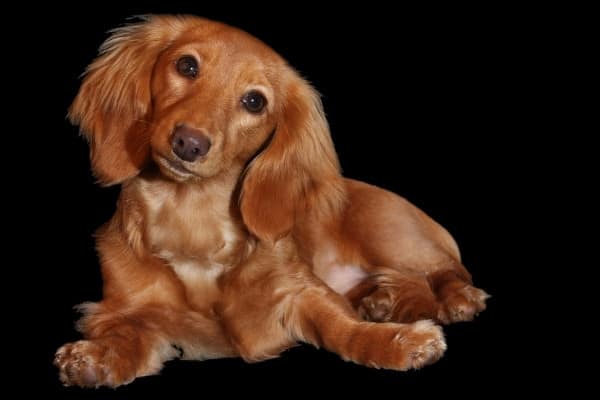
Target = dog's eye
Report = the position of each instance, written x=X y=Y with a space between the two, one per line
x=187 y=66
x=254 y=101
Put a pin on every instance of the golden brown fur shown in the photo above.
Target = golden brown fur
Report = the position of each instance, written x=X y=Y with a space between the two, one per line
x=259 y=243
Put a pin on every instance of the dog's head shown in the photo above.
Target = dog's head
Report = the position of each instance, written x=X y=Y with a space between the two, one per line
x=198 y=98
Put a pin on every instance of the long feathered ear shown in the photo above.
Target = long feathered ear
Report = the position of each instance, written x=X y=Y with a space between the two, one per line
x=114 y=102
x=298 y=171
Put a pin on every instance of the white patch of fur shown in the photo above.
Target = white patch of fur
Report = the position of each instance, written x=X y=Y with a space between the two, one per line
x=337 y=275
x=199 y=277
x=342 y=278
x=192 y=271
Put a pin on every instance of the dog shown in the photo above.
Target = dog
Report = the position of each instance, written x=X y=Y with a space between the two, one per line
x=235 y=233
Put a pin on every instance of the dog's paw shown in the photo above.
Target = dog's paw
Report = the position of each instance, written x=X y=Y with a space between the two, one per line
x=377 y=307
x=390 y=304
x=420 y=344
x=90 y=363
x=463 y=305
x=399 y=346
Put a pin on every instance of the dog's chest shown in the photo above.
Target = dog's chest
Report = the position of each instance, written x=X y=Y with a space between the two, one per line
x=196 y=235
x=201 y=238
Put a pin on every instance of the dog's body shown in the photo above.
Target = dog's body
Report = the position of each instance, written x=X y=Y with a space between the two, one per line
x=235 y=234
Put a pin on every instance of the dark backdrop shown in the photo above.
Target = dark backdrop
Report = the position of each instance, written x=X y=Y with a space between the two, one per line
x=422 y=102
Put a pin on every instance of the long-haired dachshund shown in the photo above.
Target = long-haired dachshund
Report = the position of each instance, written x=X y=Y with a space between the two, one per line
x=235 y=233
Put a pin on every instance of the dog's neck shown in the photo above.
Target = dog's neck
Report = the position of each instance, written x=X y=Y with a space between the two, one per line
x=198 y=220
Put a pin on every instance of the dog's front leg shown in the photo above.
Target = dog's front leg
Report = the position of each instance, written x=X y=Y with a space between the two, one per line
x=144 y=312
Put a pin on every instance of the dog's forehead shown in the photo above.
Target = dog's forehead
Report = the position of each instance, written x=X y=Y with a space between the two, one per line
x=229 y=41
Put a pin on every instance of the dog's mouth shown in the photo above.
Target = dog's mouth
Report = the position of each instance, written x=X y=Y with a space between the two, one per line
x=174 y=167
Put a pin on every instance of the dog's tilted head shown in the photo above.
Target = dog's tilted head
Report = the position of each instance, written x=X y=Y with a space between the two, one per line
x=198 y=98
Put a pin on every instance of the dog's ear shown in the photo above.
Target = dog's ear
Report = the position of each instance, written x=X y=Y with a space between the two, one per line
x=298 y=169
x=113 y=105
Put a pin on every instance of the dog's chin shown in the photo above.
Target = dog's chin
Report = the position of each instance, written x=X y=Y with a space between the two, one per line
x=174 y=170
x=179 y=172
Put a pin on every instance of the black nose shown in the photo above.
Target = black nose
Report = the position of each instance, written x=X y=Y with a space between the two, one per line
x=189 y=144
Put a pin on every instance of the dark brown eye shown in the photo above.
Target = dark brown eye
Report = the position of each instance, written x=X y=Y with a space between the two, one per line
x=254 y=101
x=188 y=67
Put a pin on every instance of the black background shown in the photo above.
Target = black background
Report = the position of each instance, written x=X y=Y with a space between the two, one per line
x=425 y=102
